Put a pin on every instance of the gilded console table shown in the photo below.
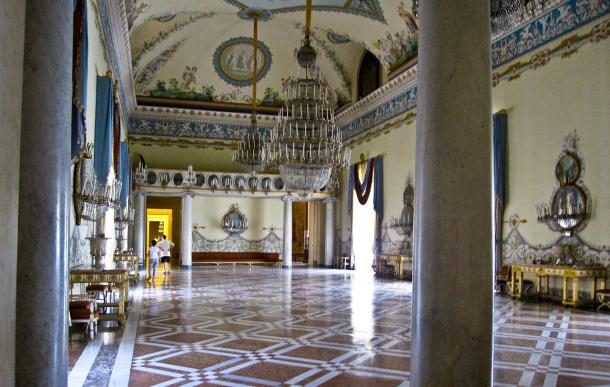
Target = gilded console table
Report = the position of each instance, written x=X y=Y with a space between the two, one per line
x=398 y=262
x=575 y=274
x=131 y=260
x=87 y=274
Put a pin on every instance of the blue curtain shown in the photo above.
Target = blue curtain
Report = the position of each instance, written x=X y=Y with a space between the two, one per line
x=102 y=156
x=378 y=185
x=124 y=173
x=350 y=188
x=79 y=78
x=500 y=126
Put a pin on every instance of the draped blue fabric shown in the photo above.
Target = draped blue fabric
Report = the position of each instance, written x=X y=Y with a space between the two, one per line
x=102 y=156
x=378 y=185
x=124 y=173
x=350 y=188
x=500 y=126
x=79 y=78
x=500 y=122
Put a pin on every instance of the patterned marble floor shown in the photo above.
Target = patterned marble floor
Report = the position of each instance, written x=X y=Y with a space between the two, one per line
x=264 y=327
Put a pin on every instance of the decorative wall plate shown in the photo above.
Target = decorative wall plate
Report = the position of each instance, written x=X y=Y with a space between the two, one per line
x=225 y=181
x=178 y=179
x=199 y=180
x=253 y=183
x=266 y=183
x=233 y=61
x=240 y=182
x=278 y=183
x=151 y=178
x=213 y=181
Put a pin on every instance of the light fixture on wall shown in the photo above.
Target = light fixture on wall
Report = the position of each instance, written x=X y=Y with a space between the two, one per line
x=250 y=153
x=305 y=145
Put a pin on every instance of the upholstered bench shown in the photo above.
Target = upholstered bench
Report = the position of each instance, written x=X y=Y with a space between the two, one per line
x=84 y=311
x=603 y=296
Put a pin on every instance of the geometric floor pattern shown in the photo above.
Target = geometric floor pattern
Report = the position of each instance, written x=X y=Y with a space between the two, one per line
x=270 y=327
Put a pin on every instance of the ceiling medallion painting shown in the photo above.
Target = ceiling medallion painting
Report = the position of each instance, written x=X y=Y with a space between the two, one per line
x=233 y=61
x=366 y=8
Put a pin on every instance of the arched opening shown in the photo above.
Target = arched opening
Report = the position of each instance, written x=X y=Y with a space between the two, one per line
x=369 y=75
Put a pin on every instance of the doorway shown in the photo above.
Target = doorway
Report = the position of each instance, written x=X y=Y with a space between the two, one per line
x=300 y=234
x=158 y=223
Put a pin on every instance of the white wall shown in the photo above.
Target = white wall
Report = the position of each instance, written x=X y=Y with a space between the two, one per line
x=12 y=22
x=208 y=211
x=398 y=150
x=544 y=105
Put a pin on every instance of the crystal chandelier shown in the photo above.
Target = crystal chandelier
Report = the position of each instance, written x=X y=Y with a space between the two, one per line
x=250 y=153
x=305 y=145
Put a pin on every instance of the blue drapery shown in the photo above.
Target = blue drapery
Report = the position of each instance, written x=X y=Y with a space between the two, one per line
x=500 y=121
x=378 y=185
x=102 y=156
x=79 y=78
x=350 y=188
x=124 y=173
x=500 y=125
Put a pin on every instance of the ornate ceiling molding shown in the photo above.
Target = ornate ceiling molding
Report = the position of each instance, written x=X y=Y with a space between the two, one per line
x=394 y=102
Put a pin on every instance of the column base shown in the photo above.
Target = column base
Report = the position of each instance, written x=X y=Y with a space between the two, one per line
x=286 y=266
x=186 y=267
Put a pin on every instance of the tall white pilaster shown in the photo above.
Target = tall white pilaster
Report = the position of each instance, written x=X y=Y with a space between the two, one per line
x=287 y=232
x=140 y=226
x=186 y=240
x=329 y=232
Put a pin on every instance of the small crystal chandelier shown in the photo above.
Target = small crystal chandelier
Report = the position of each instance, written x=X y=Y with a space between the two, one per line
x=306 y=146
x=250 y=153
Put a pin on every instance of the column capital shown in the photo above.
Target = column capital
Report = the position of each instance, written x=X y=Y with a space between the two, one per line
x=330 y=199
x=288 y=198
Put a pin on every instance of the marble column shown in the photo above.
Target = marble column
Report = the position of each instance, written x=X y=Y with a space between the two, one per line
x=12 y=31
x=453 y=294
x=186 y=240
x=139 y=239
x=44 y=193
x=287 y=231
x=329 y=232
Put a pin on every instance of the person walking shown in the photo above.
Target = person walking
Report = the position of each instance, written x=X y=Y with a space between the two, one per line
x=154 y=253
x=165 y=245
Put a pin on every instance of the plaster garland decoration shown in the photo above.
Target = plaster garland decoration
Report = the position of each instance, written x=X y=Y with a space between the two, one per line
x=271 y=243
x=516 y=249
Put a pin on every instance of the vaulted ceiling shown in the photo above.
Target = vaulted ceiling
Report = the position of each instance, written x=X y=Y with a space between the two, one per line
x=200 y=50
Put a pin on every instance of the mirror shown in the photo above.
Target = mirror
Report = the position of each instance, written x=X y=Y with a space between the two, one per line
x=151 y=178
x=567 y=169
x=199 y=180
x=213 y=181
x=234 y=222
x=253 y=183
x=225 y=181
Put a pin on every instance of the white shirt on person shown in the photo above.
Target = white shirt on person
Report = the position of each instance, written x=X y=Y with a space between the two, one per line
x=153 y=252
x=165 y=245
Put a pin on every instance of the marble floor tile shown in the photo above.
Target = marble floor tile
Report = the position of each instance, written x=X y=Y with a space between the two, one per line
x=261 y=326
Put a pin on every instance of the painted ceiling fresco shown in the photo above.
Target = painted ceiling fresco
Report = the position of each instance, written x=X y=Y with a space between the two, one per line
x=201 y=50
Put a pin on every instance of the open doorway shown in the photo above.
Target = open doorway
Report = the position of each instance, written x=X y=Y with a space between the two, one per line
x=158 y=223
x=364 y=221
x=299 y=231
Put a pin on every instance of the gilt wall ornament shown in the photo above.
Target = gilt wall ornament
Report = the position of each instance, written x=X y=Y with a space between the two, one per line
x=234 y=222
x=569 y=209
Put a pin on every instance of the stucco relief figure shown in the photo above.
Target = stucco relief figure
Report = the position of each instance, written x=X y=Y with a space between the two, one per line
x=408 y=18
x=189 y=77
